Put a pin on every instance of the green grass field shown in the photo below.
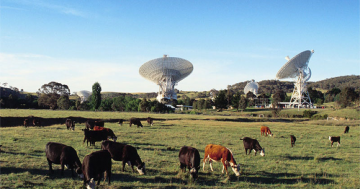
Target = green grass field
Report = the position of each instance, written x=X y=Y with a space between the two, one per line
x=312 y=163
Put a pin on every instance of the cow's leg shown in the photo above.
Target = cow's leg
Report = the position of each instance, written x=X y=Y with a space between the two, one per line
x=255 y=151
x=50 y=166
x=62 y=168
x=124 y=162
x=99 y=178
x=338 y=144
x=245 y=151
x=210 y=162
x=224 y=166
x=204 y=161
x=182 y=166
x=332 y=143
x=109 y=175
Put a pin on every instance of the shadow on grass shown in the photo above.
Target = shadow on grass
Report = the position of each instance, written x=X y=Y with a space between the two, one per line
x=310 y=158
x=55 y=175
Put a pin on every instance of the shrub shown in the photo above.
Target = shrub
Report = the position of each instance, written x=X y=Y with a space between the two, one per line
x=308 y=113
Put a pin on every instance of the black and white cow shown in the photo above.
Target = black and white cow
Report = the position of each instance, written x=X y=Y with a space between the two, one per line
x=252 y=144
x=126 y=154
x=62 y=154
x=70 y=125
x=189 y=157
x=150 y=121
x=334 y=139
x=93 y=167
x=121 y=121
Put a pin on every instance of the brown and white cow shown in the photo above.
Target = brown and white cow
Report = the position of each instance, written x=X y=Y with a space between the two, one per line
x=293 y=140
x=215 y=152
x=150 y=121
x=265 y=131
x=70 y=125
x=334 y=139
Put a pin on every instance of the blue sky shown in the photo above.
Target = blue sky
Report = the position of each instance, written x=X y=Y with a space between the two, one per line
x=82 y=42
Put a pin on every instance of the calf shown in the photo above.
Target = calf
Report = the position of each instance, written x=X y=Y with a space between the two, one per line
x=94 y=136
x=220 y=153
x=334 y=139
x=36 y=122
x=26 y=122
x=265 y=131
x=346 y=129
x=126 y=154
x=293 y=140
x=189 y=157
x=70 y=125
x=135 y=121
x=121 y=121
x=252 y=144
x=94 y=165
x=150 y=121
x=65 y=155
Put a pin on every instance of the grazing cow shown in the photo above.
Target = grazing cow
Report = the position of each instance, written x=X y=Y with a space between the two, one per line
x=135 y=121
x=150 y=121
x=126 y=154
x=89 y=124
x=346 y=129
x=121 y=121
x=94 y=165
x=36 y=122
x=65 y=155
x=265 y=131
x=94 y=136
x=252 y=144
x=70 y=125
x=220 y=153
x=189 y=157
x=26 y=122
x=99 y=123
x=334 y=139
x=293 y=140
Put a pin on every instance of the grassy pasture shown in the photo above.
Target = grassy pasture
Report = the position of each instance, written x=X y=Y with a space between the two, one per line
x=312 y=163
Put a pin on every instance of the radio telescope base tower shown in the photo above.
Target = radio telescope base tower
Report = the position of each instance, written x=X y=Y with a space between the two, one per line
x=300 y=95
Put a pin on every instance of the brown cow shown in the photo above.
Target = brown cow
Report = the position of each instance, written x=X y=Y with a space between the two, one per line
x=36 y=122
x=220 y=153
x=121 y=121
x=99 y=123
x=26 y=123
x=293 y=140
x=346 y=129
x=265 y=131
x=150 y=121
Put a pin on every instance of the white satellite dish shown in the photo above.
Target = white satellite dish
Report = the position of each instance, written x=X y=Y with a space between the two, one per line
x=297 y=68
x=251 y=86
x=166 y=72
x=84 y=95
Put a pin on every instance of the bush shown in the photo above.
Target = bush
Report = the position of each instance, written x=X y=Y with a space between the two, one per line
x=308 y=113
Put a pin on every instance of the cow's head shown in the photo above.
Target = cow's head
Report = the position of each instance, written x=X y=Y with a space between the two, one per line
x=329 y=137
x=262 y=152
x=91 y=184
x=141 y=169
x=270 y=134
x=235 y=168
x=194 y=172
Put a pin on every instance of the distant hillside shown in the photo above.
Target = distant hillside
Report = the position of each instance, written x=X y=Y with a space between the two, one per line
x=339 y=82
x=270 y=86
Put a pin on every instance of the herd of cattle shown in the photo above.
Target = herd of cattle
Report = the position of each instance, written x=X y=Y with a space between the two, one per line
x=98 y=163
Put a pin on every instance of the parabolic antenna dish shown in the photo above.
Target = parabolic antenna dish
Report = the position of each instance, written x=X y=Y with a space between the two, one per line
x=166 y=72
x=84 y=95
x=251 y=86
x=291 y=68
x=155 y=70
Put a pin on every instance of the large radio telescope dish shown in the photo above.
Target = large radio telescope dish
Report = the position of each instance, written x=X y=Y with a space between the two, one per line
x=84 y=95
x=251 y=86
x=297 y=68
x=166 y=72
